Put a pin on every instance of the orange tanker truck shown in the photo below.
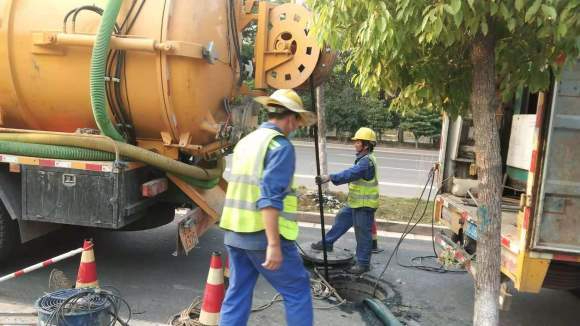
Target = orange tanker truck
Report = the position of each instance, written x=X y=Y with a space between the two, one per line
x=113 y=113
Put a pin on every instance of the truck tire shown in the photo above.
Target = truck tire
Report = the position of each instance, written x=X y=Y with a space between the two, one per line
x=8 y=233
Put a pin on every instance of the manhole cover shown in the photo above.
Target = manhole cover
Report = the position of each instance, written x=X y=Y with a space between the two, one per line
x=339 y=256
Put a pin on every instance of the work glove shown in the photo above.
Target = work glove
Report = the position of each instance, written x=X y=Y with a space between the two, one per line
x=322 y=179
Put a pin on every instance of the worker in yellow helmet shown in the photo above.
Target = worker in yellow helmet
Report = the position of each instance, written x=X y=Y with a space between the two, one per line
x=363 y=200
x=259 y=216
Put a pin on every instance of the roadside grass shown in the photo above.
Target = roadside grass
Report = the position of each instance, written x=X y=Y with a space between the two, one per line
x=390 y=208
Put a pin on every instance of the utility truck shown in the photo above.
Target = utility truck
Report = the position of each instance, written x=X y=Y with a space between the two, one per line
x=540 y=230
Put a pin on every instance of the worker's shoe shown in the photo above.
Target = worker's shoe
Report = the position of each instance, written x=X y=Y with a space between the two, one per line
x=318 y=246
x=359 y=269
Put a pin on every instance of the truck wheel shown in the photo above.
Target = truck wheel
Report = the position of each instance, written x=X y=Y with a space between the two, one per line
x=8 y=233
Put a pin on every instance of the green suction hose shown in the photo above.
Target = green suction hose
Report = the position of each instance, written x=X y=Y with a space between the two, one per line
x=382 y=312
x=196 y=176
x=98 y=69
x=54 y=151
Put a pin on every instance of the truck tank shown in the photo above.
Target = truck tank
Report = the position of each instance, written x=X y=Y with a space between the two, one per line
x=141 y=93
x=45 y=66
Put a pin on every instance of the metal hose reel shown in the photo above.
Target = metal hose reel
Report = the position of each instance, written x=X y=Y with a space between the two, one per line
x=287 y=54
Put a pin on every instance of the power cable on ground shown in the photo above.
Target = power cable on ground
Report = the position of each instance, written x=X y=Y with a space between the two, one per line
x=407 y=231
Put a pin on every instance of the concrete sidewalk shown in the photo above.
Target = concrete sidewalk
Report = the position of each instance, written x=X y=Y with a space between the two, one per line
x=388 y=226
x=12 y=314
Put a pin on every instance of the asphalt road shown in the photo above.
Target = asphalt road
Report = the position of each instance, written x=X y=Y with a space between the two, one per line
x=402 y=172
x=157 y=285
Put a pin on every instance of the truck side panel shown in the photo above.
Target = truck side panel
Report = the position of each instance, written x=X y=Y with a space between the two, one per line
x=10 y=192
x=557 y=222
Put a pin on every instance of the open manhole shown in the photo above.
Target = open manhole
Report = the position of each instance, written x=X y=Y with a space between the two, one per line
x=355 y=289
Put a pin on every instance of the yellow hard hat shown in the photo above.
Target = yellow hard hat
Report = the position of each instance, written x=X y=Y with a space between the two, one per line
x=289 y=99
x=365 y=133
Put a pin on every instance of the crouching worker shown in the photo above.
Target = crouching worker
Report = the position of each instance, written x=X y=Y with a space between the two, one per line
x=363 y=200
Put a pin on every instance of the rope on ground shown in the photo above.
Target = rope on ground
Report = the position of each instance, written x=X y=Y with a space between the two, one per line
x=189 y=316
x=321 y=290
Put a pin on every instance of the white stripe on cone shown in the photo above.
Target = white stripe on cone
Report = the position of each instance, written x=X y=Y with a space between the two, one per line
x=215 y=277
x=88 y=256
x=209 y=318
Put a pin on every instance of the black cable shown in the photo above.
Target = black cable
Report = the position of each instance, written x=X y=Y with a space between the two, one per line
x=116 y=71
x=438 y=269
x=65 y=20
x=120 y=74
x=403 y=235
x=127 y=16
x=132 y=23
x=94 y=9
x=320 y=196
x=83 y=301
x=236 y=40
x=228 y=34
x=407 y=231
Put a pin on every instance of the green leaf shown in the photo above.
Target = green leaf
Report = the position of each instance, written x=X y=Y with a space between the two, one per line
x=383 y=24
x=493 y=7
x=458 y=18
x=455 y=6
x=519 y=4
x=511 y=24
x=425 y=21
x=504 y=11
x=562 y=29
x=549 y=12
x=471 y=4
x=544 y=32
x=448 y=8
x=484 y=27
x=437 y=27
x=532 y=10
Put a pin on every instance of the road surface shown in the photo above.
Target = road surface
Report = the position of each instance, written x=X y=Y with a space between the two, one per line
x=402 y=172
x=157 y=285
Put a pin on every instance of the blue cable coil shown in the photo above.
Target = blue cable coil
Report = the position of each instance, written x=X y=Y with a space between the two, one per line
x=72 y=307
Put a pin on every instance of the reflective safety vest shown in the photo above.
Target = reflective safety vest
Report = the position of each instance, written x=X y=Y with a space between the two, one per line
x=365 y=193
x=241 y=213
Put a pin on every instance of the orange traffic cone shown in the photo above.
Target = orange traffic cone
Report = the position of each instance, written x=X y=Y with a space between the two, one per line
x=214 y=293
x=87 y=276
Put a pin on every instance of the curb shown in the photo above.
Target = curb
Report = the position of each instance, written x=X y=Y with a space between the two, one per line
x=382 y=225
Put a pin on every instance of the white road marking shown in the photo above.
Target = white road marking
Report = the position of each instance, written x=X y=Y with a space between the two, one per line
x=384 y=167
x=379 y=233
x=377 y=150
x=389 y=158
x=382 y=183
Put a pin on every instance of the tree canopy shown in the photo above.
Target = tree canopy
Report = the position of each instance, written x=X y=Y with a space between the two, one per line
x=453 y=55
x=419 y=50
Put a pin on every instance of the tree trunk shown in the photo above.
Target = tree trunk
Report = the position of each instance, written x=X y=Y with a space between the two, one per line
x=401 y=135
x=483 y=105
x=320 y=108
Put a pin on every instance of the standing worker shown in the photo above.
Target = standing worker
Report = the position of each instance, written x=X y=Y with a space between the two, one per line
x=259 y=216
x=363 y=200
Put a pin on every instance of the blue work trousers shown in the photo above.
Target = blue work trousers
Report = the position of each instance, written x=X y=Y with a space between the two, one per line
x=291 y=280
x=362 y=219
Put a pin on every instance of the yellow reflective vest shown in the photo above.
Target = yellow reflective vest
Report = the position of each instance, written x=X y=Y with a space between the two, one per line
x=241 y=213
x=365 y=193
